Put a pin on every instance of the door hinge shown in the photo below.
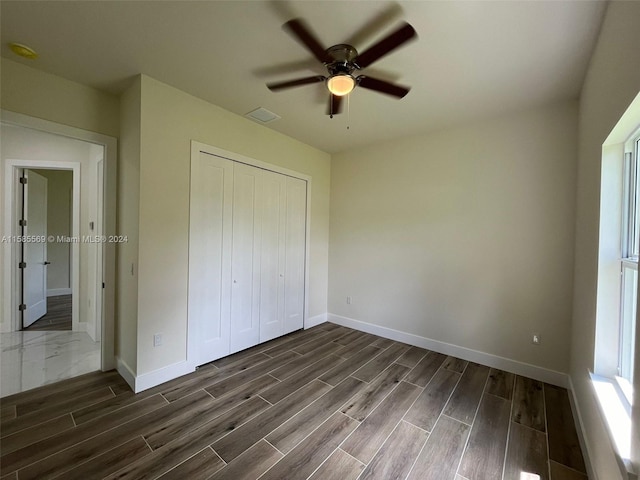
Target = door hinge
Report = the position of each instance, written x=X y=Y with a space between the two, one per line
x=22 y=307
x=22 y=265
x=102 y=284
x=23 y=180
x=22 y=222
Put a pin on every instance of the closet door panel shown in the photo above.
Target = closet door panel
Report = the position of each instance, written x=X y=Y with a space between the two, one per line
x=272 y=258
x=209 y=262
x=245 y=258
x=295 y=244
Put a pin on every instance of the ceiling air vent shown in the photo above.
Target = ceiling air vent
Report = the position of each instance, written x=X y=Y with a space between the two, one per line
x=262 y=115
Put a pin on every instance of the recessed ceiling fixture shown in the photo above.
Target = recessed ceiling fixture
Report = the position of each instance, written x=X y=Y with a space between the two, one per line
x=23 y=51
x=342 y=60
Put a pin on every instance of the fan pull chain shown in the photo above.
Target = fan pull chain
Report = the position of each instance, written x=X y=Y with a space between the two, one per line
x=348 y=110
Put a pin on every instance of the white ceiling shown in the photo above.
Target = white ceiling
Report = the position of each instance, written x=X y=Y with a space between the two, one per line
x=473 y=59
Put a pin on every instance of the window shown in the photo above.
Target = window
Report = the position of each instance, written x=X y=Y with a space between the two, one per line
x=629 y=265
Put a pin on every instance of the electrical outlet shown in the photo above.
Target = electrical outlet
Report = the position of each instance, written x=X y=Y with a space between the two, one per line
x=535 y=339
x=348 y=300
x=157 y=340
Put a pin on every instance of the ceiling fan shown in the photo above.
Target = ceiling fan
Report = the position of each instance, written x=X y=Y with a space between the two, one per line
x=343 y=62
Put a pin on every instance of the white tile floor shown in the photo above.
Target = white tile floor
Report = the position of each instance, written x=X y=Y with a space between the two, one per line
x=32 y=359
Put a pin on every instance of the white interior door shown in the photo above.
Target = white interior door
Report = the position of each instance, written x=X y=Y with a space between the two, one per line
x=294 y=271
x=272 y=258
x=245 y=257
x=34 y=275
x=209 y=260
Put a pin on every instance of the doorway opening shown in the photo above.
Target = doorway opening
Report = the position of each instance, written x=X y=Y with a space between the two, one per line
x=45 y=253
x=58 y=267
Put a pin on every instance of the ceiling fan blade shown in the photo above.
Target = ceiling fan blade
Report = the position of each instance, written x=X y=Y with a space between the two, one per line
x=373 y=26
x=302 y=32
x=296 y=83
x=382 y=86
x=335 y=105
x=386 y=45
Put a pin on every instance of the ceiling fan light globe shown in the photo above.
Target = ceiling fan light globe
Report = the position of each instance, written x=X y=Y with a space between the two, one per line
x=341 y=85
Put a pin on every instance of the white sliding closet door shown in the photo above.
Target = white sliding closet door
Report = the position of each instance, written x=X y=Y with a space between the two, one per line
x=210 y=238
x=247 y=252
x=245 y=257
x=295 y=240
x=273 y=255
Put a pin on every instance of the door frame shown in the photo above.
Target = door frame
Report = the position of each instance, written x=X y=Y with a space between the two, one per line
x=109 y=145
x=196 y=148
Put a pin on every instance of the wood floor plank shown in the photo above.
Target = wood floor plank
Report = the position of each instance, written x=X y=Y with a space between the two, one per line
x=429 y=405
x=110 y=461
x=371 y=395
x=60 y=408
x=60 y=462
x=377 y=365
x=526 y=452
x=412 y=356
x=339 y=466
x=291 y=432
x=62 y=388
x=50 y=446
x=528 y=403
x=200 y=466
x=303 y=460
x=466 y=397
x=295 y=342
x=251 y=464
x=426 y=369
x=222 y=387
x=349 y=337
x=297 y=364
x=174 y=453
x=285 y=388
x=10 y=476
x=564 y=446
x=373 y=431
x=7 y=413
x=560 y=472
x=180 y=425
x=353 y=348
x=99 y=409
x=60 y=403
x=215 y=375
x=242 y=438
x=500 y=383
x=238 y=357
x=455 y=364
x=396 y=457
x=319 y=342
x=441 y=454
x=338 y=373
x=383 y=342
x=483 y=458
x=36 y=433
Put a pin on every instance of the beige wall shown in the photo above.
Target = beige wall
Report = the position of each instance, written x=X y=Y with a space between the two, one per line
x=126 y=334
x=42 y=95
x=463 y=236
x=612 y=82
x=170 y=119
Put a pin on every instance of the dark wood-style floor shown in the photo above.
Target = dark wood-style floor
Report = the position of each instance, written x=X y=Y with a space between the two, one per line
x=328 y=403
x=58 y=316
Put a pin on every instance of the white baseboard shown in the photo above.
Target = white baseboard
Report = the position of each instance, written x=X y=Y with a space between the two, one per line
x=582 y=435
x=520 y=368
x=125 y=372
x=138 y=383
x=164 y=374
x=317 y=320
x=55 y=292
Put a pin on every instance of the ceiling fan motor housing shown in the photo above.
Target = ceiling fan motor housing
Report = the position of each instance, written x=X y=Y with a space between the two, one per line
x=343 y=56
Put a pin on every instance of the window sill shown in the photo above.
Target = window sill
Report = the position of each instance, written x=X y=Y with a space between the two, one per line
x=615 y=410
